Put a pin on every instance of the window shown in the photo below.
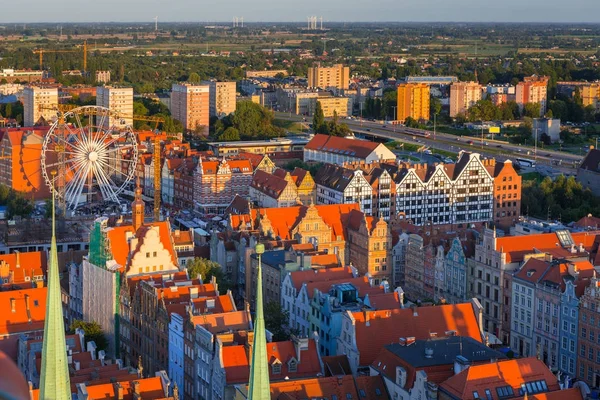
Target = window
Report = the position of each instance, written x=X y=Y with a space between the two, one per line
x=475 y=395
x=276 y=367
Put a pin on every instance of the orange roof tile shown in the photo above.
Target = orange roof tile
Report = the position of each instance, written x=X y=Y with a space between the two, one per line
x=18 y=321
x=236 y=166
x=30 y=264
x=355 y=148
x=223 y=304
x=513 y=373
x=325 y=260
x=223 y=322
x=517 y=246
x=319 y=275
x=235 y=361
x=374 y=329
x=315 y=388
x=149 y=388
x=183 y=237
x=270 y=184
x=119 y=244
x=385 y=301
x=285 y=219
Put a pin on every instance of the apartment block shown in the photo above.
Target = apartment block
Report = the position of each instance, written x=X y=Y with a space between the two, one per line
x=463 y=95
x=413 y=101
x=190 y=105
x=533 y=89
x=590 y=95
x=222 y=98
x=39 y=102
x=118 y=100
x=102 y=76
x=588 y=367
x=336 y=76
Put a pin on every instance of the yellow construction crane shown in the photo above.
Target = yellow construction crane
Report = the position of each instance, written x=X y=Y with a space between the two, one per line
x=157 y=176
x=84 y=48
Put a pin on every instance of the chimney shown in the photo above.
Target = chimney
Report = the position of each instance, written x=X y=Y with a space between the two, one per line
x=460 y=364
x=415 y=313
x=13 y=305
x=367 y=323
x=118 y=391
x=77 y=365
x=410 y=340
x=27 y=308
x=136 y=390
x=193 y=292
x=18 y=259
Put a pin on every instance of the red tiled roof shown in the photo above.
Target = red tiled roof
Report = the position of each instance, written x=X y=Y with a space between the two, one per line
x=513 y=373
x=387 y=326
x=223 y=322
x=285 y=219
x=223 y=304
x=517 y=246
x=339 y=387
x=236 y=166
x=237 y=369
x=325 y=260
x=270 y=184
x=329 y=144
x=30 y=264
x=149 y=388
x=319 y=275
x=589 y=221
x=119 y=244
x=19 y=321
x=385 y=301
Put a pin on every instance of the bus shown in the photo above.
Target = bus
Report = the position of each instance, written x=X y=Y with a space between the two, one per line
x=523 y=162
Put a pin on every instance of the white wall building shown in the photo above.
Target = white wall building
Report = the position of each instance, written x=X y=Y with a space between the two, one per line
x=118 y=100
x=39 y=102
x=337 y=150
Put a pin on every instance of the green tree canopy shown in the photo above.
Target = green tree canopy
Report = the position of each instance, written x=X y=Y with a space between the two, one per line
x=207 y=269
x=230 y=134
x=532 y=110
x=277 y=321
x=319 y=125
x=194 y=78
x=93 y=332
x=253 y=121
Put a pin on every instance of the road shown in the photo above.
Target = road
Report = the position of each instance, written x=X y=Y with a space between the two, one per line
x=452 y=143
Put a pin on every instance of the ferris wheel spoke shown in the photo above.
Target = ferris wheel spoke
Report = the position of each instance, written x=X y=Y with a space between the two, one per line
x=104 y=185
x=74 y=136
x=75 y=181
x=109 y=186
x=79 y=188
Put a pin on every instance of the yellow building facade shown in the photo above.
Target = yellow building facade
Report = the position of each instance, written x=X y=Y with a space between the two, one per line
x=413 y=101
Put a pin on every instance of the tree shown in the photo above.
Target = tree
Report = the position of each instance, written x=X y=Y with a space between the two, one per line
x=194 y=78
x=230 y=134
x=319 y=125
x=93 y=332
x=435 y=105
x=532 y=110
x=277 y=321
x=205 y=268
x=139 y=108
x=253 y=121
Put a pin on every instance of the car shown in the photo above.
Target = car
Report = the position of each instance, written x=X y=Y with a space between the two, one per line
x=384 y=126
x=368 y=129
x=470 y=143
x=548 y=155
x=499 y=146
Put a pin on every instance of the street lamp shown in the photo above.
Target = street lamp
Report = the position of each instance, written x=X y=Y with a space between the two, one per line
x=394 y=121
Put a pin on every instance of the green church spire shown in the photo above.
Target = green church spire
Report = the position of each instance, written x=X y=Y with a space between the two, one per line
x=259 y=367
x=54 y=376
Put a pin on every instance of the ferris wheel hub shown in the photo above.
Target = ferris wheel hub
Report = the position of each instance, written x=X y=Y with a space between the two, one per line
x=93 y=156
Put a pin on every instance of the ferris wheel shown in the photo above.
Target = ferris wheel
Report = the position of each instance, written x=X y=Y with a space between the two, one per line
x=88 y=156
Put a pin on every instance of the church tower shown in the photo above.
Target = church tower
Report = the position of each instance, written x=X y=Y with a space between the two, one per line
x=54 y=375
x=137 y=208
x=259 y=366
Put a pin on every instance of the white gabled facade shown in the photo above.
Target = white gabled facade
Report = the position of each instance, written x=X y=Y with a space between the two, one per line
x=439 y=199
x=297 y=304
x=358 y=190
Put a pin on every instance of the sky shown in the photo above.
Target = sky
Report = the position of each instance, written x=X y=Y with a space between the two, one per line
x=568 y=11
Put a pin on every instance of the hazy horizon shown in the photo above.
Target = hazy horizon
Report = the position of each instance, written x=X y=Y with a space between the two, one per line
x=136 y=11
